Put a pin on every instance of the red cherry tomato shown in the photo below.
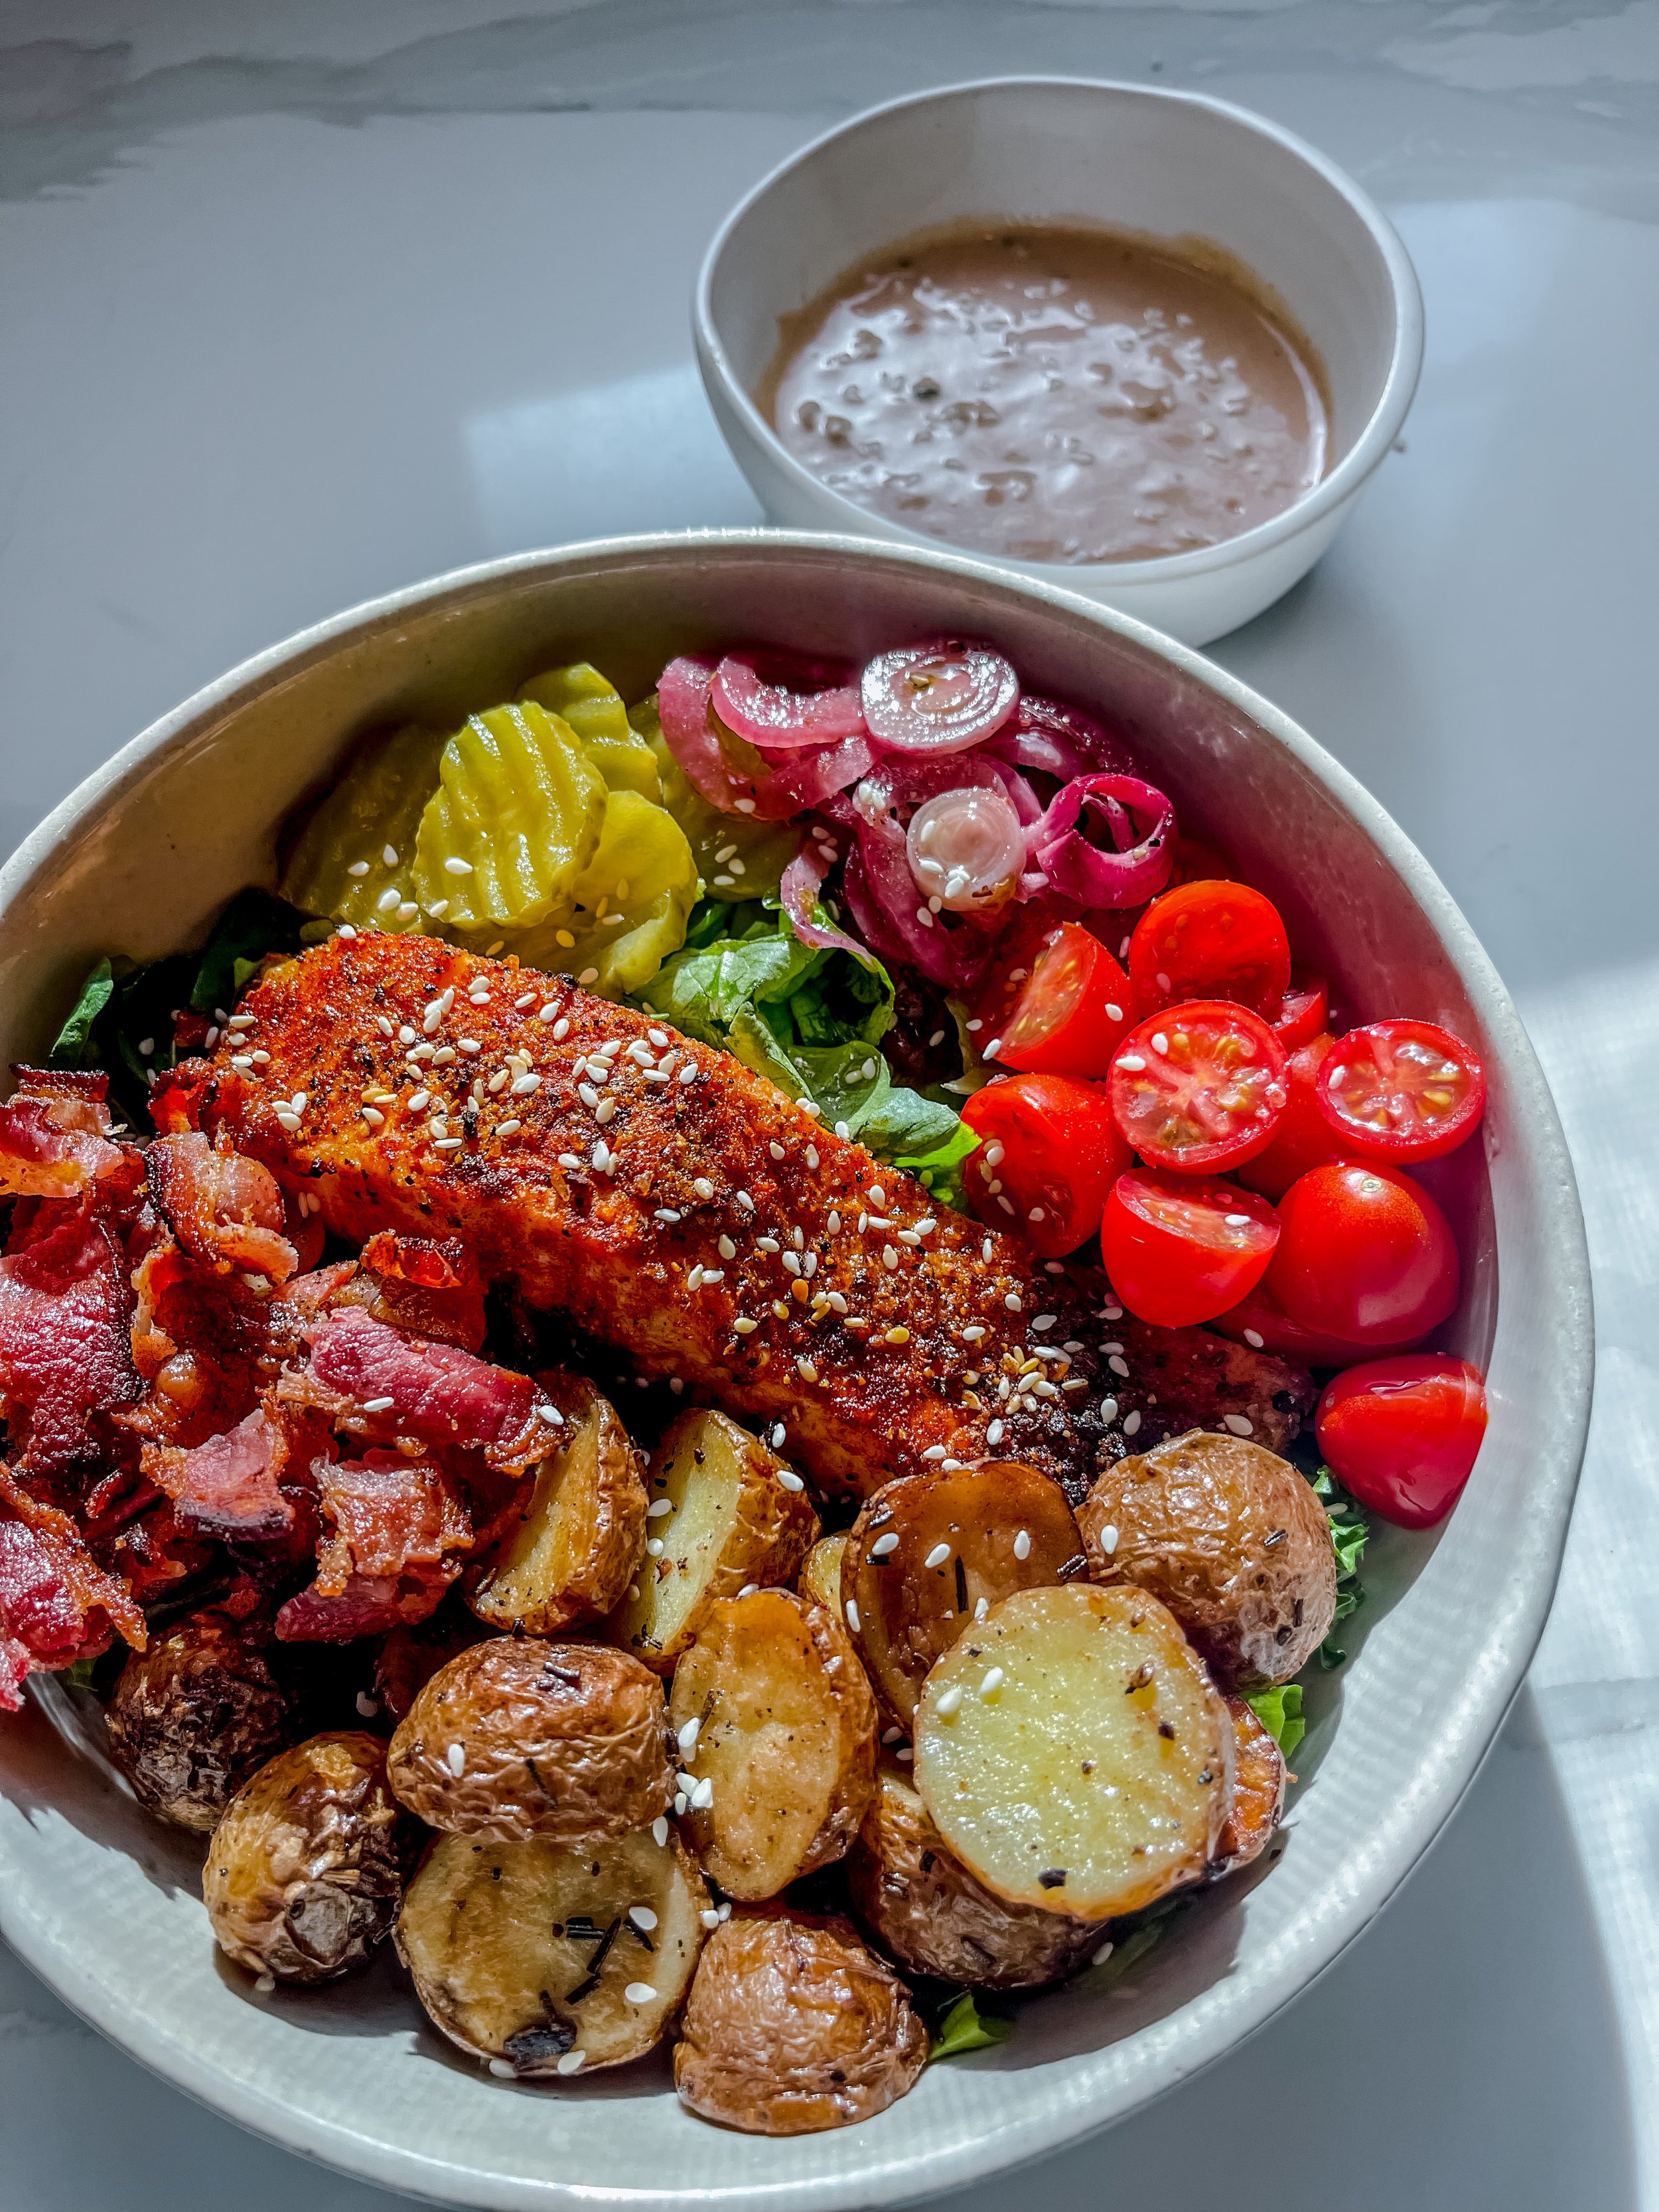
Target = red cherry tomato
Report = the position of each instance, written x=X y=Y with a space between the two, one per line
x=1049 y=1152
x=1364 y=1253
x=1211 y=940
x=1303 y=1013
x=1260 y=1322
x=1182 y=1249
x=1303 y=1139
x=1402 y=1434
x=1027 y=930
x=1199 y=1087
x=1072 y=1010
x=1401 y=1091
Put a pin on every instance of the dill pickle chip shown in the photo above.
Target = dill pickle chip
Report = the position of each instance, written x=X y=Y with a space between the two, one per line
x=594 y=709
x=338 y=865
x=735 y=858
x=644 y=871
x=515 y=819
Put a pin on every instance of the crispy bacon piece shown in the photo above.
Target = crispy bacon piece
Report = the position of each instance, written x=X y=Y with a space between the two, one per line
x=397 y=1531
x=226 y=1210
x=205 y=1343
x=410 y=1385
x=227 y=1485
x=57 y=1604
x=429 y=1284
x=65 y=1342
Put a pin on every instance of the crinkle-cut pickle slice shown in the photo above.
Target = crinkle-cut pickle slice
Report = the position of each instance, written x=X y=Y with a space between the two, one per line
x=374 y=809
x=736 y=858
x=1073 y=1754
x=643 y=870
x=515 y=819
x=594 y=709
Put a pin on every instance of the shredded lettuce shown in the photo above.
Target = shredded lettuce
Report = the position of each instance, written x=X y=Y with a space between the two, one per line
x=1350 y=1533
x=965 y=2027
x=1279 y=1712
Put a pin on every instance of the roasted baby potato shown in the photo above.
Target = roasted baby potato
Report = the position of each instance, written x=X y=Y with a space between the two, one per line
x=517 y=1738
x=1234 y=1542
x=921 y=1904
x=820 y=1574
x=194 y=1716
x=776 y=1731
x=727 y=1511
x=793 y=2026
x=305 y=1871
x=550 y=1960
x=1073 y=1754
x=407 y=1658
x=567 y=1549
x=930 y=1551
x=1258 y=1779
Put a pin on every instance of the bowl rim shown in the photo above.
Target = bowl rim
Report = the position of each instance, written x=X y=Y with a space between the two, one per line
x=43 y=1939
x=1324 y=501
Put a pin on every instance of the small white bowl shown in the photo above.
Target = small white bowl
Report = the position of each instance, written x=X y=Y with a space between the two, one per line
x=1165 y=164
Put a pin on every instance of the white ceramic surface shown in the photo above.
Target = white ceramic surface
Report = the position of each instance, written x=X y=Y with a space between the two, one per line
x=103 y=1905
x=1170 y=165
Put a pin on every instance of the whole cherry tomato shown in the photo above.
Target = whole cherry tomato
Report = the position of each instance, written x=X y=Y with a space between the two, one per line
x=1072 y=1010
x=1402 y=1434
x=1303 y=1139
x=1181 y=1248
x=1210 y=940
x=1303 y=1013
x=1260 y=1322
x=1199 y=1087
x=1364 y=1254
x=1401 y=1091
x=1049 y=1152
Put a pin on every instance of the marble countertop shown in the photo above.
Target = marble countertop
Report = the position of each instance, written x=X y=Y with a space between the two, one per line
x=305 y=302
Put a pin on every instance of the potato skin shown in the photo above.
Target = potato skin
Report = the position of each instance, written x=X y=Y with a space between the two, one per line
x=922 y=1905
x=194 y=1717
x=1232 y=1539
x=306 y=1870
x=1258 y=1779
x=793 y=2026
x=561 y=1740
x=820 y=1575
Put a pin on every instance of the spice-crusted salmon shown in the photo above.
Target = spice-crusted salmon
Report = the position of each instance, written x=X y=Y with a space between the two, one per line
x=667 y=1199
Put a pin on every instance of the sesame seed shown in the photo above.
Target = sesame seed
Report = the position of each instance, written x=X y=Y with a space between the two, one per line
x=992 y=1683
x=358 y=868
x=994 y=1434
x=1239 y=1424
x=853 y=1620
x=704 y=1189
x=883 y=1545
x=709 y=1917
x=807 y=1371
x=1013 y=1301
x=524 y=1085
x=779 y=1434
x=948 y=1701
x=834 y=1223
x=265 y=1984
x=660 y=1830
x=456 y=1759
x=713 y=1275
x=1023 y=1545
x=1045 y=1321
x=812 y=1157
x=1100 y=1957
x=589 y=976
x=973 y=1332
x=1131 y=1423
x=387 y=903
x=1119 y=1365
x=1109 y=1539
x=1131 y=1060
x=374 y=1116
x=898 y=1336
x=889 y=1258
x=574 y=2061
x=744 y=1326
x=456 y=866
x=938 y=1556
x=703 y=1795
x=745 y=805
x=1237 y=1220
x=603 y=1159
x=744 y=1201
x=605 y=1111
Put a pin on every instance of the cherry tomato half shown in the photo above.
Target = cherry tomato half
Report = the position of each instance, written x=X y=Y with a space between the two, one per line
x=1029 y=929
x=1072 y=1011
x=1303 y=1013
x=1303 y=1139
x=1364 y=1254
x=1260 y=1322
x=1402 y=1434
x=1209 y=940
x=1049 y=1152
x=1401 y=1091
x=1199 y=1087
x=1182 y=1249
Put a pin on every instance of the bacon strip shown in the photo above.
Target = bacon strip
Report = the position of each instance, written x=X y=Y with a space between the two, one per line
x=226 y=1486
x=65 y=1342
x=436 y=1392
x=57 y=1604
x=226 y=1210
x=397 y=1527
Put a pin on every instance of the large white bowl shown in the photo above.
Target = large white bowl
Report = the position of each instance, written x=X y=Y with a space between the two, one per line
x=1171 y=164
x=105 y=1904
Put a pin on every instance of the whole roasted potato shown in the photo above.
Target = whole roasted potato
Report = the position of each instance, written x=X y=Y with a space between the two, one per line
x=1258 y=1779
x=793 y=2026
x=1231 y=1539
x=306 y=1869
x=194 y=1716
x=516 y=1738
x=921 y=1904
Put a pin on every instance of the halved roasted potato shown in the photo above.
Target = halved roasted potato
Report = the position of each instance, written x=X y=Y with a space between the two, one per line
x=544 y=1960
x=931 y=1552
x=1234 y=1542
x=566 y=1548
x=725 y=1511
x=305 y=1871
x=776 y=1730
x=920 y=1903
x=516 y=1738
x=820 y=1574
x=1258 y=1779
x=194 y=1716
x=793 y=2026
x=1073 y=1752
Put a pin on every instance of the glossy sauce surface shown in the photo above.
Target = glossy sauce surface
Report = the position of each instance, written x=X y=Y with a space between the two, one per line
x=1052 y=393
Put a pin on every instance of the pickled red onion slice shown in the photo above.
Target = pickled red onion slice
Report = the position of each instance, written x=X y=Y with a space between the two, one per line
x=1122 y=808
x=1060 y=741
x=685 y=705
x=966 y=848
x=939 y=697
x=803 y=886
x=783 y=716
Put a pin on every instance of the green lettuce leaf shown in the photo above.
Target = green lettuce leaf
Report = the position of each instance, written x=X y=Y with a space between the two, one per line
x=939 y=1171
x=965 y=2027
x=76 y=1047
x=1350 y=1533
x=1279 y=1712
x=255 y=923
